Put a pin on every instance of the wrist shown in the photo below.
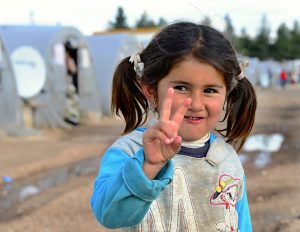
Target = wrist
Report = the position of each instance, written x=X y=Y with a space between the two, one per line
x=152 y=169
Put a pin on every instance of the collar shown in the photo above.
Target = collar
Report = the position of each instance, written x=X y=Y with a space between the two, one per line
x=218 y=152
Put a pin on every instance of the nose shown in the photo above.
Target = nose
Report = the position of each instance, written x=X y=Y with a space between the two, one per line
x=198 y=102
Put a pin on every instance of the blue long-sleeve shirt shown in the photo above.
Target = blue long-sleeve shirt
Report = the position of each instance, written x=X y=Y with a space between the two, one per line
x=123 y=195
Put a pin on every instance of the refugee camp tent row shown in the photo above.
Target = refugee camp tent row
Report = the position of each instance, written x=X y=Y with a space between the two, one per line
x=57 y=91
x=107 y=51
x=265 y=73
x=10 y=104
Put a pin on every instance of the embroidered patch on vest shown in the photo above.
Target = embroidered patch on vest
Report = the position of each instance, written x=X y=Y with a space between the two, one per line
x=225 y=195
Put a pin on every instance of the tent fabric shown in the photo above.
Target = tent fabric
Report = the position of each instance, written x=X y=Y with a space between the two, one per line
x=107 y=51
x=50 y=103
x=10 y=104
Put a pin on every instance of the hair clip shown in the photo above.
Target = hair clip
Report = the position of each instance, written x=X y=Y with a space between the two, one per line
x=138 y=65
x=243 y=65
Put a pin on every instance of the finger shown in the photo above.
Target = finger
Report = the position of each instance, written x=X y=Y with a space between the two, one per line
x=153 y=134
x=176 y=144
x=179 y=114
x=165 y=111
x=169 y=128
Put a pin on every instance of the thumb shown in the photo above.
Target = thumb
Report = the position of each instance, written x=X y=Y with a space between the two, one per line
x=176 y=144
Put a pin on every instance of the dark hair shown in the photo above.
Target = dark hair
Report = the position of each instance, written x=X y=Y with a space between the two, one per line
x=169 y=47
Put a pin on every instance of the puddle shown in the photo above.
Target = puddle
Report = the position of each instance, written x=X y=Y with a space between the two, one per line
x=263 y=159
x=243 y=158
x=28 y=191
x=263 y=142
x=21 y=190
x=264 y=145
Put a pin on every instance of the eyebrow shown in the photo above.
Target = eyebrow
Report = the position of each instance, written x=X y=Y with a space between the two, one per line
x=189 y=84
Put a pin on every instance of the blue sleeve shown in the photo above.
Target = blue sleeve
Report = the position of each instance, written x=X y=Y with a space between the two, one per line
x=122 y=193
x=243 y=211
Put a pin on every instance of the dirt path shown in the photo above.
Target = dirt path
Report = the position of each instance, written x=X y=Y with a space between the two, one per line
x=273 y=190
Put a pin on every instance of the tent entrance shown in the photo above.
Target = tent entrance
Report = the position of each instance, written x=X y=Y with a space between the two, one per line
x=72 y=111
x=28 y=114
x=72 y=64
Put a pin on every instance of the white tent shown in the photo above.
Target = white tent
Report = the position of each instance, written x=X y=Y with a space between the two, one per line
x=107 y=51
x=10 y=104
x=38 y=56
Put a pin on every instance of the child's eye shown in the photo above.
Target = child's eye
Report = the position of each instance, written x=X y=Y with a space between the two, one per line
x=180 y=87
x=210 y=90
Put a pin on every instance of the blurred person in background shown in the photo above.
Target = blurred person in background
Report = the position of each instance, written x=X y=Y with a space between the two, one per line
x=283 y=78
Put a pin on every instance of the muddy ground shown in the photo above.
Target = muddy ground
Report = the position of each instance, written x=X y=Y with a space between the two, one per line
x=57 y=169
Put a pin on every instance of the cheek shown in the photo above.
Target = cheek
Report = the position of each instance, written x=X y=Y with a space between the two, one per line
x=215 y=109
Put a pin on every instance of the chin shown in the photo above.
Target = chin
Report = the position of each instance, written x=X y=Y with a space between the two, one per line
x=189 y=136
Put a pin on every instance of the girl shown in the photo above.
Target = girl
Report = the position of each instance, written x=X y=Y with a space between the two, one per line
x=175 y=174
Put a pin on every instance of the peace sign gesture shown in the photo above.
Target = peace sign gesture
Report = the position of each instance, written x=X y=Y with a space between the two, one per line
x=161 y=141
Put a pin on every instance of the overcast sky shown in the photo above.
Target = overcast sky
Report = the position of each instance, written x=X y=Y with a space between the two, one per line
x=93 y=15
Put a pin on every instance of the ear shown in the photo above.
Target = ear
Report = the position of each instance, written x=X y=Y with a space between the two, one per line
x=148 y=92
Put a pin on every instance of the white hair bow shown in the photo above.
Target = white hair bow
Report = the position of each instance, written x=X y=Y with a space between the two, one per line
x=243 y=65
x=138 y=65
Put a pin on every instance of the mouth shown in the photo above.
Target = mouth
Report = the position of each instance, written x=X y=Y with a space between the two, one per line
x=193 y=120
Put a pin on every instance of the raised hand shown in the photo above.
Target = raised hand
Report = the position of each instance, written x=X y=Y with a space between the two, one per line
x=161 y=141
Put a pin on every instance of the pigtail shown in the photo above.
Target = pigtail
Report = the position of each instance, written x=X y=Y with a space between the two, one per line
x=127 y=96
x=239 y=113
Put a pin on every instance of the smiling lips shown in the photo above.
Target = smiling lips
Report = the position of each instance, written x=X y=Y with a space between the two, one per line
x=193 y=120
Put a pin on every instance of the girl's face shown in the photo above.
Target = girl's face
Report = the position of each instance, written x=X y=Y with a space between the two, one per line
x=205 y=86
